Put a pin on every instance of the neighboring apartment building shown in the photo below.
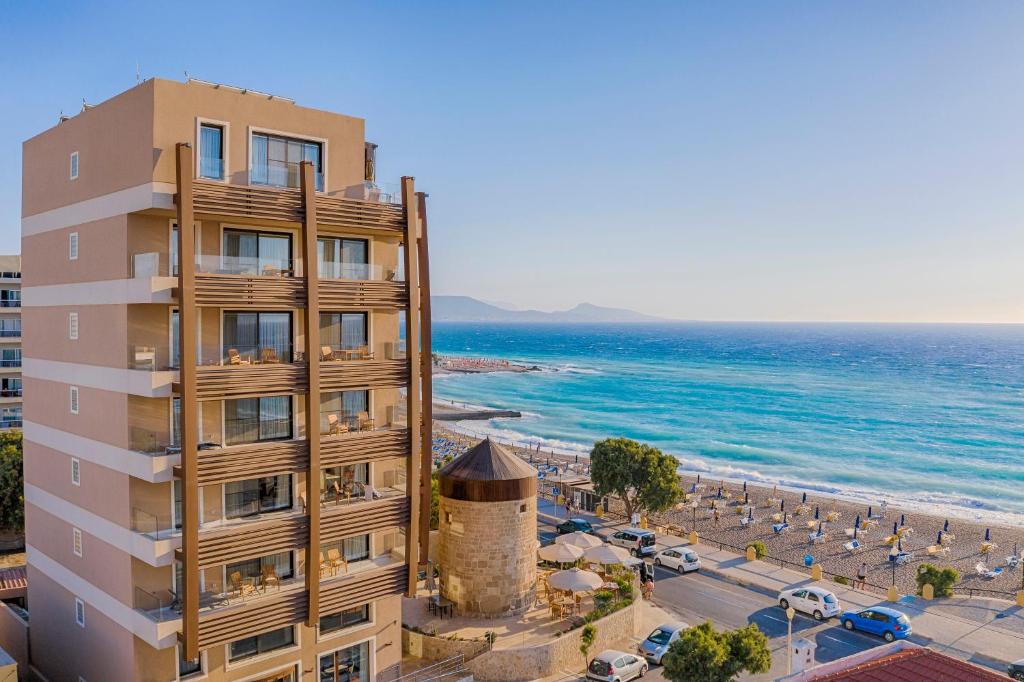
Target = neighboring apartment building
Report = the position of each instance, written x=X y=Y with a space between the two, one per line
x=10 y=342
x=220 y=482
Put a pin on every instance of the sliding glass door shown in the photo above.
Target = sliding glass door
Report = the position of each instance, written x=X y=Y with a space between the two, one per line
x=344 y=331
x=257 y=337
x=341 y=258
x=250 y=420
x=257 y=253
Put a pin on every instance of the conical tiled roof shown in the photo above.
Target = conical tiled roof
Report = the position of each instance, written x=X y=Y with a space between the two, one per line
x=488 y=473
x=487 y=461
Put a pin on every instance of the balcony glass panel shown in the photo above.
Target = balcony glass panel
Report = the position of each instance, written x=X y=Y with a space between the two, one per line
x=350 y=664
x=253 y=338
x=251 y=253
x=10 y=298
x=10 y=387
x=211 y=152
x=345 y=411
x=339 y=258
x=10 y=357
x=251 y=420
x=257 y=496
x=10 y=328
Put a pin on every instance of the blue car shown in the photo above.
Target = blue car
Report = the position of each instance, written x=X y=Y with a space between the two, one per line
x=888 y=623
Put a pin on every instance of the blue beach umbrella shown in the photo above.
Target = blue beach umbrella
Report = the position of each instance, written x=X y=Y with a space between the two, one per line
x=856 y=529
x=938 y=540
x=894 y=528
x=903 y=519
x=750 y=515
x=693 y=488
x=785 y=517
x=746 y=498
x=988 y=535
x=804 y=500
x=945 y=526
x=869 y=511
x=856 y=524
x=819 y=527
x=782 y=505
x=816 y=511
x=719 y=492
x=698 y=478
x=744 y=486
x=899 y=545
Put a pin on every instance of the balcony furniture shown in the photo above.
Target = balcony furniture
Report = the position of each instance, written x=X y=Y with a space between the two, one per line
x=325 y=566
x=243 y=587
x=337 y=561
x=334 y=426
x=440 y=606
x=234 y=358
x=363 y=353
x=269 y=577
x=364 y=421
x=389 y=276
x=269 y=356
x=327 y=353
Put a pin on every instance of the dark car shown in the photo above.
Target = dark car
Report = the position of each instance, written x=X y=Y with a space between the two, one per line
x=573 y=525
x=1016 y=670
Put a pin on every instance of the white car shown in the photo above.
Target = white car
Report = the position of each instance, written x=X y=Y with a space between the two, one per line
x=682 y=559
x=814 y=601
x=616 y=666
x=657 y=643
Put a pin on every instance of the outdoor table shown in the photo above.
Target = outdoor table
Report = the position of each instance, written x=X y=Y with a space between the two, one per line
x=442 y=606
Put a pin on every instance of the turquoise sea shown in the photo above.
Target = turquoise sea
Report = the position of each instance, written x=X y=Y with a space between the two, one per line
x=925 y=415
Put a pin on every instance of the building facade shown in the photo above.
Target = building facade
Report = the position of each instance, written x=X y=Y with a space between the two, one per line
x=10 y=342
x=223 y=434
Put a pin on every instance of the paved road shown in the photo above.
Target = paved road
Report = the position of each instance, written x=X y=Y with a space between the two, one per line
x=694 y=598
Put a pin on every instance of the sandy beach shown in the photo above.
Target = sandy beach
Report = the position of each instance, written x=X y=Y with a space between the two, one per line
x=964 y=540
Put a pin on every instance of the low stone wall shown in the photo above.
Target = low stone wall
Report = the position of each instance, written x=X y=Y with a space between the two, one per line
x=434 y=648
x=614 y=631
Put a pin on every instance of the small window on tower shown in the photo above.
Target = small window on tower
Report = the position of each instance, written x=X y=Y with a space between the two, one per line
x=74 y=165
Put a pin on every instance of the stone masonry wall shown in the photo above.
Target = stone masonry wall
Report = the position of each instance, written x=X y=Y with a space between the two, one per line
x=487 y=554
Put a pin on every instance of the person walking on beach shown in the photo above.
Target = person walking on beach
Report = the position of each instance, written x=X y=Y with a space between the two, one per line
x=862 y=576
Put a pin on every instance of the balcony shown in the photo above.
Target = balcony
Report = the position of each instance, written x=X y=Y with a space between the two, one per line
x=232 y=281
x=247 y=538
x=244 y=371
x=363 y=516
x=220 y=464
x=358 y=285
x=343 y=370
x=8 y=334
x=281 y=204
x=7 y=424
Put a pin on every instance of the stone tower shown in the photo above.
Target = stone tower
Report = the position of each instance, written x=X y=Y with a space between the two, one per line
x=488 y=531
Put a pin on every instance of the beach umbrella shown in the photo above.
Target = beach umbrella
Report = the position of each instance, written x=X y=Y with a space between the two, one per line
x=719 y=492
x=945 y=526
x=894 y=528
x=744 y=486
x=816 y=511
x=746 y=498
x=804 y=500
x=782 y=505
x=785 y=517
x=869 y=511
x=903 y=519
x=698 y=478
x=819 y=527
x=575 y=580
x=750 y=513
x=560 y=554
x=988 y=534
x=606 y=554
x=856 y=524
x=856 y=529
x=938 y=541
x=899 y=545
x=580 y=539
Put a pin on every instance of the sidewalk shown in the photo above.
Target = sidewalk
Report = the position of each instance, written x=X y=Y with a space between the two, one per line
x=985 y=631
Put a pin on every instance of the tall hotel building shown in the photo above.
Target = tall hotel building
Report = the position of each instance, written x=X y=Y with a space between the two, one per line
x=223 y=424
x=10 y=342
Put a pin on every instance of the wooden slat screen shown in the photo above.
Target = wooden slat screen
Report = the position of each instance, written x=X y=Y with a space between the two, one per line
x=348 y=591
x=349 y=520
x=252 y=540
x=227 y=382
x=363 y=446
x=346 y=375
x=252 y=460
x=251 y=618
x=342 y=294
x=232 y=291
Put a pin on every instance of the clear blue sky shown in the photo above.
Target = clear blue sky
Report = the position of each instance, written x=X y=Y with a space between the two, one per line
x=832 y=161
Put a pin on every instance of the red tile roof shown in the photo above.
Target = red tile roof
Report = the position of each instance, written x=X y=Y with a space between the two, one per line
x=915 y=665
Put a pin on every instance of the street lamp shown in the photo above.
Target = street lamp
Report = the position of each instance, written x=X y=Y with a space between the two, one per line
x=789 y=640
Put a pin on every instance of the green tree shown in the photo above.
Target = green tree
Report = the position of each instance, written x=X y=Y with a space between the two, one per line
x=941 y=579
x=642 y=476
x=702 y=654
x=12 y=482
x=587 y=638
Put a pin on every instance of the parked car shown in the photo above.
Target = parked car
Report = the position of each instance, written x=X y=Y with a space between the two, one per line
x=1016 y=670
x=616 y=666
x=657 y=643
x=573 y=525
x=682 y=559
x=638 y=542
x=811 y=600
x=888 y=623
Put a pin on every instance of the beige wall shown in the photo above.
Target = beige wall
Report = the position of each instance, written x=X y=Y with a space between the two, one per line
x=103 y=491
x=14 y=638
x=114 y=141
x=101 y=414
x=102 y=254
x=102 y=330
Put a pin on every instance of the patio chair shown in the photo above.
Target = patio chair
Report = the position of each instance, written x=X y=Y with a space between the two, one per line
x=234 y=358
x=326 y=353
x=780 y=528
x=337 y=561
x=334 y=426
x=994 y=573
x=364 y=353
x=269 y=577
x=239 y=586
x=853 y=546
x=1013 y=561
x=268 y=356
x=364 y=421
x=325 y=566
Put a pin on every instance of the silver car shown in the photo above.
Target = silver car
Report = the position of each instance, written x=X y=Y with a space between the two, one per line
x=657 y=643
x=616 y=666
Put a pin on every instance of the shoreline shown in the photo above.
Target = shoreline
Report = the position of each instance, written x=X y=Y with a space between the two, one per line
x=908 y=503
x=964 y=554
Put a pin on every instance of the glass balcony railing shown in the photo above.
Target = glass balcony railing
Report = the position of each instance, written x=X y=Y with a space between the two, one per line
x=10 y=392
x=357 y=271
x=10 y=333
x=153 y=526
x=341 y=422
x=239 y=355
x=10 y=362
x=379 y=192
x=282 y=174
x=10 y=424
x=250 y=266
x=350 y=352
x=10 y=303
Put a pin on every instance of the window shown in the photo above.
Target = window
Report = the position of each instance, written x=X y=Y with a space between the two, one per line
x=76 y=471
x=211 y=151
x=344 y=482
x=10 y=357
x=74 y=400
x=10 y=298
x=250 y=420
x=256 y=253
x=10 y=387
x=351 y=664
x=257 y=496
x=175 y=340
x=79 y=612
x=257 y=337
x=73 y=326
x=261 y=644
x=76 y=541
x=350 y=409
x=352 y=549
x=74 y=165
x=339 y=258
x=276 y=159
x=346 y=619
x=176 y=422
x=73 y=246
x=10 y=327
x=187 y=668
x=344 y=331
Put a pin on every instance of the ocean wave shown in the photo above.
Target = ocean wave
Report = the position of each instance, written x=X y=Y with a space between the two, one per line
x=513 y=437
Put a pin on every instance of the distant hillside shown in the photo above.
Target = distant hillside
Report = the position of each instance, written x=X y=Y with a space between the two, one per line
x=466 y=309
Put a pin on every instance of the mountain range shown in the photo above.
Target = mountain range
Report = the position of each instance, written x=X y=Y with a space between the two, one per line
x=467 y=309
